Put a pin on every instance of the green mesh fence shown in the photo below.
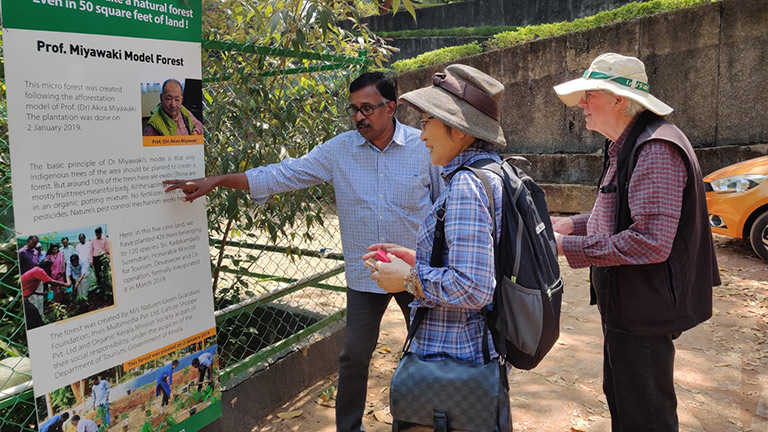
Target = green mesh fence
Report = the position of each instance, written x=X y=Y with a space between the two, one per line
x=277 y=269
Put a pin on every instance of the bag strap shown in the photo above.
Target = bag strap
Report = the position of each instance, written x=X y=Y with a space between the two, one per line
x=419 y=317
x=440 y=420
x=497 y=169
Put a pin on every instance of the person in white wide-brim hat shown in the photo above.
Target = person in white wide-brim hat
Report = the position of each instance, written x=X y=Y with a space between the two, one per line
x=647 y=240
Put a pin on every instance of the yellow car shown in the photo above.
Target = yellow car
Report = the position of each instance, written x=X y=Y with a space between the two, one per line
x=737 y=199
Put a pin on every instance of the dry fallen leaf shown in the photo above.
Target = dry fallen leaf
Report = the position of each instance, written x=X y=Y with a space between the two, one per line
x=722 y=364
x=385 y=349
x=290 y=414
x=233 y=402
x=326 y=403
x=383 y=416
x=579 y=425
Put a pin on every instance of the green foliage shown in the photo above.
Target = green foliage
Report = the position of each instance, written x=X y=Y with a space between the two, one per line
x=449 y=32
x=62 y=399
x=367 y=7
x=256 y=116
x=440 y=56
x=624 y=13
x=303 y=25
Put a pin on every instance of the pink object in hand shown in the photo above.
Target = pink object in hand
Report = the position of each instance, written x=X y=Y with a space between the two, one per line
x=381 y=255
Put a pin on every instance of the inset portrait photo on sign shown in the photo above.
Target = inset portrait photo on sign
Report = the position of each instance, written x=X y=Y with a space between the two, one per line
x=172 y=108
x=65 y=274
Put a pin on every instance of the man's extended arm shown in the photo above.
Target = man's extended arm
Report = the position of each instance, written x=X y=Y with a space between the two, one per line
x=313 y=168
x=655 y=201
x=196 y=188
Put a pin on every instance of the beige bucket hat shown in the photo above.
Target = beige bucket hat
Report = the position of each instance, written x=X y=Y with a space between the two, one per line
x=465 y=99
x=622 y=75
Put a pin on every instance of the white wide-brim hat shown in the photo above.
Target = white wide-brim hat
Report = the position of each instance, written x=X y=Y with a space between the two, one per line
x=621 y=75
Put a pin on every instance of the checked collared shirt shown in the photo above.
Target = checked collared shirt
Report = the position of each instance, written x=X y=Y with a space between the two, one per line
x=382 y=196
x=456 y=292
x=655 y=200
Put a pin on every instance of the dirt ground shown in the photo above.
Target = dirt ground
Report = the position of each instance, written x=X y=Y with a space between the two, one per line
x=721 y=369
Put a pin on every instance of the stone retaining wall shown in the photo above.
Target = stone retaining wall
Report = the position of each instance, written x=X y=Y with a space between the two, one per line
x=708 y=62
x=411 y=47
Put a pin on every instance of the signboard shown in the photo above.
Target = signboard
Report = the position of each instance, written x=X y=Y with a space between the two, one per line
x=104 y=103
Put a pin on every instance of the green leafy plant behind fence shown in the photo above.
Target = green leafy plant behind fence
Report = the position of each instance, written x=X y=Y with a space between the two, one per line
x=269 y=252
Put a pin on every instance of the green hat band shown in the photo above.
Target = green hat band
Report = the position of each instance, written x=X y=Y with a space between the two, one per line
x=639 y=85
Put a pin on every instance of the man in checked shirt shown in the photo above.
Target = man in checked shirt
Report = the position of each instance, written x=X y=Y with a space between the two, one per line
x=647 y=241
x=385 y=184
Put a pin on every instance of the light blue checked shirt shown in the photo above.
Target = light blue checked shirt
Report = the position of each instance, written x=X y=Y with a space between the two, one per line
x=381 y=195
x=457 y=292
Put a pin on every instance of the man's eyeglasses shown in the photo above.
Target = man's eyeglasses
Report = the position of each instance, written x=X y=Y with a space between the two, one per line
x=423 y=121
x=366 y=110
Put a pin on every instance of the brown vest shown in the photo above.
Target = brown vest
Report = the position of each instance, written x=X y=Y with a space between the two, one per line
x=675 y=295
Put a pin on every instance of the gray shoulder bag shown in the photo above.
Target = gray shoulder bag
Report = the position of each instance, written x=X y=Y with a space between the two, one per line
x=449 y=394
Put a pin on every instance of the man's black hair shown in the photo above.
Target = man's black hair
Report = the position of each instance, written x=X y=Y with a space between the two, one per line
x=75 y=418
x=98 y=230
x=46 y=266
x=65 y=416
x=384 y=85
x=174 y=363
x=195 y=362
x=74 y=257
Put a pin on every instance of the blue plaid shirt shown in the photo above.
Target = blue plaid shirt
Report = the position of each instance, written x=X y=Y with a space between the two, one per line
x=381 y=195
x=457 y=292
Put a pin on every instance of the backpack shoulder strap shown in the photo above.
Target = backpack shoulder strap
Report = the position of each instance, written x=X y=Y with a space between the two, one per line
x=476 y=168
x=438 y=246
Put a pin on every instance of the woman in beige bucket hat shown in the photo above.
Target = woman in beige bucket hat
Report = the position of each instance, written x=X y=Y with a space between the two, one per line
x=647 y=241
x=460 y=125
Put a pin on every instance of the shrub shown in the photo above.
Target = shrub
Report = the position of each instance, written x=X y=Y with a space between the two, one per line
x=625 y=13
x=440 y=56
x=449 y=32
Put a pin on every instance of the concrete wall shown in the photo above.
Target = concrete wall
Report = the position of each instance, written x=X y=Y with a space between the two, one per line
x=475 y=13
x=708 y=62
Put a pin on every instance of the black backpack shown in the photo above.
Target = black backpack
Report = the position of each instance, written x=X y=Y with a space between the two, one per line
x=524 y=319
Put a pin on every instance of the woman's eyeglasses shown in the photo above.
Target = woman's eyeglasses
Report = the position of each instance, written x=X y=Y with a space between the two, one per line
x=423 y=121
